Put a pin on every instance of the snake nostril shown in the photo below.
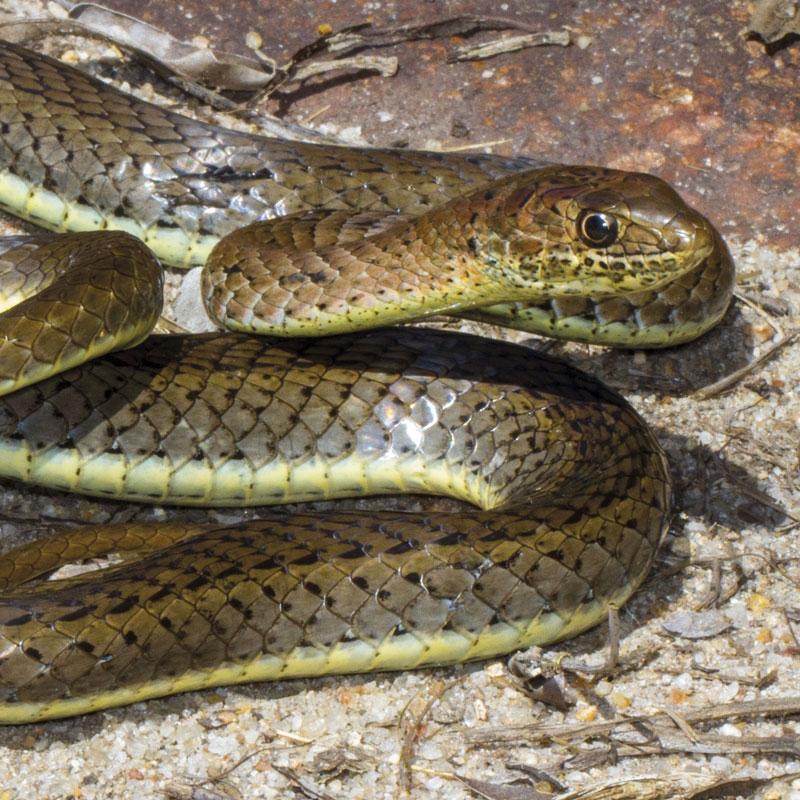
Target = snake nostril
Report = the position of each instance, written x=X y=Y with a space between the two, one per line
x=692 y=234
x=682 y=239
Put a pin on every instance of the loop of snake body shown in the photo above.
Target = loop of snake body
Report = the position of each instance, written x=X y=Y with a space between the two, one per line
x=571 y=491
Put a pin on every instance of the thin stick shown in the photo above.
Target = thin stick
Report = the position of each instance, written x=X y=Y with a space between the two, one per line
x=721 y=385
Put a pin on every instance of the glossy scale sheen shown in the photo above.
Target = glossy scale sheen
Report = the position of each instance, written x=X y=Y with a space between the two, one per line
x=570 y=489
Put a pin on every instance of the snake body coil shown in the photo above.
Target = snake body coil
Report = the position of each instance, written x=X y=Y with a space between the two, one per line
x=572 y=489
x=576 y=491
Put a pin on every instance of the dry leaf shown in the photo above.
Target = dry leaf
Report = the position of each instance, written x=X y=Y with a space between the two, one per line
x=697 y=624
x=162 y=52
x=509 y=45
x=774 y=19
x=504 y=791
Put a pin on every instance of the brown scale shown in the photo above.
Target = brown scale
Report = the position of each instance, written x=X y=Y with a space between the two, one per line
x=579 y=489
x=171 y=170
x=577 y=517
x=96 y=292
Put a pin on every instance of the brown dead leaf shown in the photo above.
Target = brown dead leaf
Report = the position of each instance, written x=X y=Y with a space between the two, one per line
x=158 y=49
x=774 y=19
x=504 y=791
x=509 y=45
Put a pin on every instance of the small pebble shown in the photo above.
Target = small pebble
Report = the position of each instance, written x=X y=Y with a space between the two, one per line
x=619 y=699
x=721 y=765
x=682 y=681
x=253 y=40
x=705 y=437
x=697 y=624
x=757 y=603
x=603 y=689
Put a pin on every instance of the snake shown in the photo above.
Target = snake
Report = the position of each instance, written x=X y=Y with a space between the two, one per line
x=313 y=255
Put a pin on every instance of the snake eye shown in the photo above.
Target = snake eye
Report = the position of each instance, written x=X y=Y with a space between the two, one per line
x=596 y=229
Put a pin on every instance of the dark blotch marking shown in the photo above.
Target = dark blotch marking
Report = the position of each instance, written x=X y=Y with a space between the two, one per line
x=199 y=581
x=356 y=552
x=125 y=606
x=450 y=540
x=402 y=547
x=78 y=613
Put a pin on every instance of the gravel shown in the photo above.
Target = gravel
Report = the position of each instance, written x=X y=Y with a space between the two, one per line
x=735 y=460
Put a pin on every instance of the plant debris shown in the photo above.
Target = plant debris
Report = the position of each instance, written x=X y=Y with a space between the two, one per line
x=774 y=20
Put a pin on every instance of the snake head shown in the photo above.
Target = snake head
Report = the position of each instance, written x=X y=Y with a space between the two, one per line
x=588 y=230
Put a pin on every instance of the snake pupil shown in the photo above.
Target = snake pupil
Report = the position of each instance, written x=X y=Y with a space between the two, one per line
x=596 y=229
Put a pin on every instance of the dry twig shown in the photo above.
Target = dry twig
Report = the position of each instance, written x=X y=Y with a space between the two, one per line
x=729 y=380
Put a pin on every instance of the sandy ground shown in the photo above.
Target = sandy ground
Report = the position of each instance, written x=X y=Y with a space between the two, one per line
x=731 y=558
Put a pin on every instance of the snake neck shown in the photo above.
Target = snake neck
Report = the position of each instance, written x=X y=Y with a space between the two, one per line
x=443 y=261
x=514 y=240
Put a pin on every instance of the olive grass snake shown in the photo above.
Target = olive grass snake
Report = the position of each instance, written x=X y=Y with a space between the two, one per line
x=572 y=491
